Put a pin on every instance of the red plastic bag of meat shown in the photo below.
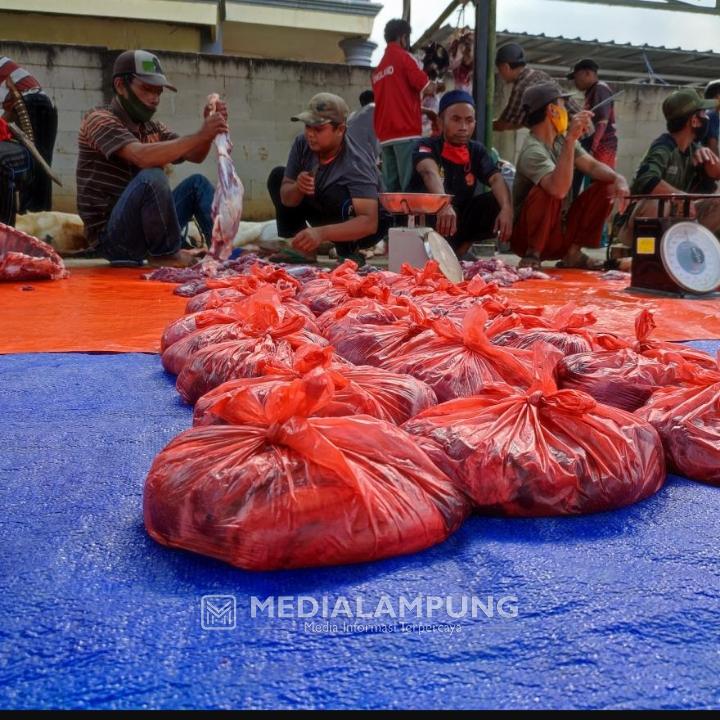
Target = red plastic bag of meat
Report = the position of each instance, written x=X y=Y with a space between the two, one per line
x=358 y=390
x=565 y=330
x=363 y=311
x=282 y=489
x=620 y=378
x=264 y=317
x=688 y=420
x=219 y=291
x=544 y=451
x=341 y=284
x=663 y=352
x=374 y=344
x=429 y=279
x=226 y=314
x=457 y=362
x=24 y=257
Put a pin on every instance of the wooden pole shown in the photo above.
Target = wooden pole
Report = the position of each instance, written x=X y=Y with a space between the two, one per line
x=484 y=74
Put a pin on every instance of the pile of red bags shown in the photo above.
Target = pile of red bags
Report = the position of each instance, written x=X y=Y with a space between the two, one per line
x=282 y=489
x=298 y=458
x=544 y=451
x=688 y=420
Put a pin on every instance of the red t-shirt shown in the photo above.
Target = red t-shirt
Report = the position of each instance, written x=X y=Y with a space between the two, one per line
x=397 y=83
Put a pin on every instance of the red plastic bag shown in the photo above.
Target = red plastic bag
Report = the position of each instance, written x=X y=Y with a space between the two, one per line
x=342 y=284
x=663 y=352
x=688 y=420
x=374 y=344
x=457 y=362
x=621 y=378
x=362 y=311
x=224 y=315
x=264 y=317
x=24 y=257
x=281 y=489
x=359 y=390
x=565 y=330
x=544 y=451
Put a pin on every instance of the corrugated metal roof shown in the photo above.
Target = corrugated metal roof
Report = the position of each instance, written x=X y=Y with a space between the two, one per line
x=618 y=61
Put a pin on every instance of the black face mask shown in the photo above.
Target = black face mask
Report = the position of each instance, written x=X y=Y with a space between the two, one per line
x=702 y=131
x=134 y=107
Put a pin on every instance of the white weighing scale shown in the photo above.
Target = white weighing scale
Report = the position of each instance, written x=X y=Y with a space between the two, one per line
x=415 y=244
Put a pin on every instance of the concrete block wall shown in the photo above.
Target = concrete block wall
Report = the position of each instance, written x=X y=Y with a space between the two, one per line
x=261 y=95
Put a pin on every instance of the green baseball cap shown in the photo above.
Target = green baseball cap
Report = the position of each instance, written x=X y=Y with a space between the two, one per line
x=682 y=103
x=324 y=108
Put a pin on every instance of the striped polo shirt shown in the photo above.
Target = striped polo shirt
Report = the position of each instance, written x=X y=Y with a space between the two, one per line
x=101 y=175
x=23 y=80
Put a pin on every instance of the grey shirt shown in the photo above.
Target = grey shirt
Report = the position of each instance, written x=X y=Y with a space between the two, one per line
x=361 y=129
x=352 y=169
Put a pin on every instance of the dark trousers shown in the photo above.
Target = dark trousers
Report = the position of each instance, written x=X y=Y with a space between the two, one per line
x=335 y=206
x=475 y=221
x=36 y=193
x=148 y=217
x=15 y=166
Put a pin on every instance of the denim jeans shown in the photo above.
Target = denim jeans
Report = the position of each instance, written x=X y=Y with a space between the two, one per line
x=148 y=217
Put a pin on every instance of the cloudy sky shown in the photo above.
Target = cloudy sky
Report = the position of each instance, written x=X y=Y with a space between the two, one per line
x=573 y=19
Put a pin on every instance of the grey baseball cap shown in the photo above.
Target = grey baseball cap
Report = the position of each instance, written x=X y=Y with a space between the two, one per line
x=144 y=65
x=539 y=95
x=324 y=108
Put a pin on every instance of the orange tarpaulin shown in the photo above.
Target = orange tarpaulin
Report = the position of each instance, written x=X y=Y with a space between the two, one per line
x=103 y=309
x=97 y=309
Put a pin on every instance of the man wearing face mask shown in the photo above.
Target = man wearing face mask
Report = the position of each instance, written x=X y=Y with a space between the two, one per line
x=455 y=164
x=124 y=197
x=548 y=223
x=677 y=162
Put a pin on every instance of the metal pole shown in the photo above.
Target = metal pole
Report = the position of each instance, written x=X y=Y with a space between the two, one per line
x=480 y=76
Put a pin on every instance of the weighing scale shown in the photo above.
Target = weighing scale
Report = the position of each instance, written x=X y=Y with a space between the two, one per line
x=415 y=243
x=673 y=254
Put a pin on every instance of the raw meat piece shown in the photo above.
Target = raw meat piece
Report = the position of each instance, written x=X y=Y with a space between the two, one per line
x=24 y=257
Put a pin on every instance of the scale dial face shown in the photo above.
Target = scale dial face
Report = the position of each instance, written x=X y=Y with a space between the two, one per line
x=438 y=248
x=691 y=256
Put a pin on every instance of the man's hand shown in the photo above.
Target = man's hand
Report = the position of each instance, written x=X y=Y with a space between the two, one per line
x=219 y=107
x=705 y=155
x=305 y=182
x=213 y=125
x=620 y=191
x=447 y=221
x=308 y=240
x=579 y=125
x=504 y=223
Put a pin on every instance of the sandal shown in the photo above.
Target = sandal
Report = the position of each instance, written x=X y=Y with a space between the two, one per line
x=583 y=262
x=530 y=260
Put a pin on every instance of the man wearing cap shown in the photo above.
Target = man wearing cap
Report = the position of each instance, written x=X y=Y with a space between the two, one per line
x=455 y=164
x=398 y=83
x=678 y=163
x=328 y=191
x=22 y=88
x=512 y=67
x=547 y=224
x=124 y=196
x=602 y=142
